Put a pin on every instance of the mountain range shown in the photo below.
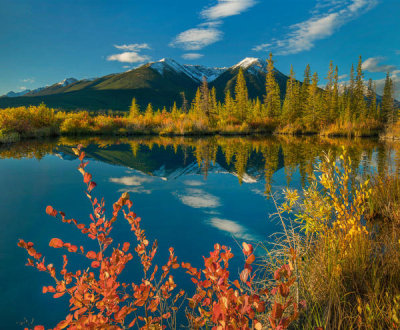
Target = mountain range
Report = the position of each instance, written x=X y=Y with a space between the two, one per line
x=161 y=83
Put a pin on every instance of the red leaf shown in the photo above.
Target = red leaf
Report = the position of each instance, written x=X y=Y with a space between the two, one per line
x=244 y=275
x=125 y=247
x=56 y=243
x=51 y=211
x=91 y=255
x=247 y=248
x=92 y=185
x=250 y=259
x=58 y=294
x=87 y=177
x=82 y=156
x=95 y=264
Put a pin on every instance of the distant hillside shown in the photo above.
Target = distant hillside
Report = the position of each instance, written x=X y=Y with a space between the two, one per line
x=160 y=83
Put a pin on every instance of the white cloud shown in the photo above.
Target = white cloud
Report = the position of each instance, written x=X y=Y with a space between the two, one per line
x=320 y=25
x=197 y=38
x=192 y=56
x=206 y=33
x=130 y=181
x=198 y=198
x=131 y=54
x=133 y=47
x=136 y=190
x=232 y=228
x=262 y=47
x=193 y=183
x=343 y=76
x=28 y=80
x=22 y=88
x=128 y=57
x=372 y=65
x=226 y=8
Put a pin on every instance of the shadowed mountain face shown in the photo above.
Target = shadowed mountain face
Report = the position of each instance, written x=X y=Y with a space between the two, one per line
x=161 y=83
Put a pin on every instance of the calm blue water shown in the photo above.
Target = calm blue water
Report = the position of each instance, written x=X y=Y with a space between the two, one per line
x=190 y=194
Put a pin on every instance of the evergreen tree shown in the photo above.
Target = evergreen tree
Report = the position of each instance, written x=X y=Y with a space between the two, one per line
x=290 y=104
x=335 y=96
x=360 y=108
x=184 y=103
x=174 y=111
x=196 y=106
x=149 y=111
x=304 y=91
x=205 y=104
x=241 y=96
x=134 y=110
x=371 y=100
x=328 y=95
x=387 y=108
x=273 y=97
x=313 y=103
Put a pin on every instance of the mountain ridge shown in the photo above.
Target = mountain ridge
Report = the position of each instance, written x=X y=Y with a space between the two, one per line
x=160 y=83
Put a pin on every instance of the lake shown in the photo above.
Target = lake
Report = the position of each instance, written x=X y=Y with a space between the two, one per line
x=191 y=193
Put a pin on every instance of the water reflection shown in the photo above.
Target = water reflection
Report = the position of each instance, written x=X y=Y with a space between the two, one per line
x=248 y=158
x=191 y=193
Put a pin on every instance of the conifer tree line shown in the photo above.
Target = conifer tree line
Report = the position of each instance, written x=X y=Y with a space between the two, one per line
x=306 y=105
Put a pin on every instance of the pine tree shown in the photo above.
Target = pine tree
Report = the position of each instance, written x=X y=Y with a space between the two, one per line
x=273 y=97
x=229 y=105
x=184 y=103
x=360 y=108
x=387 y=108
x=205 y=104
x=196 y=106
x=313 y=103
x=149 y=111
x=214 y=103
x=174 y=111
x=350 y=96
x=241 y=96
x=371 y=100
x=328 y=95
x=289 y=109
x=134 y=110
x=304 y=91
x=335 y=96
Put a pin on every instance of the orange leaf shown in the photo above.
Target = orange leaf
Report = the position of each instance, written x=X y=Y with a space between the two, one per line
x=51 y=211
x=250 y=259
x=87 y=177
x=95 y=264
x=58 y=294
x=91 y=255
x=132 y=323
x=125 y=247
x=247 y=248
x=56 y=243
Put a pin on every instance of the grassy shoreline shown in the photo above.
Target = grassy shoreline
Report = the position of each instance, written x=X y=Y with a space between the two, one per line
x=39 y=122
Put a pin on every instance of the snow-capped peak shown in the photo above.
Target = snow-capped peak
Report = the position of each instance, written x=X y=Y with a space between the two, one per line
x=67 y=81
x=195 y=72
x=247 y=62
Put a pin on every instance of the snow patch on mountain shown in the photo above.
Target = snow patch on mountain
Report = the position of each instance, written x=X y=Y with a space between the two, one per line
x=16 y=94
x=195 y=72
x=252 y=65
x=67 y=81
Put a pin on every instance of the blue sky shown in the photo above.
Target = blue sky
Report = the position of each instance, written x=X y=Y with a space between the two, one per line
x=45 y=41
